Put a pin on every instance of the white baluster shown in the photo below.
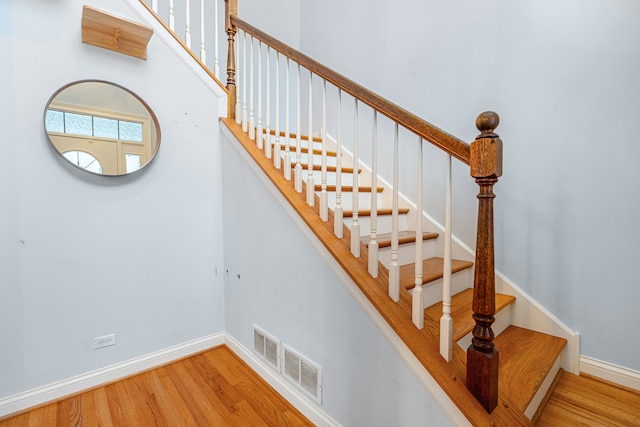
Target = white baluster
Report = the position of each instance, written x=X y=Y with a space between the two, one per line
x=287 y=129
x=324 y=197
x=245 y=122
x=373 y=219
x=203 y=53
x=267 y=133
x=337 y=211
x=446 y=322
x=216 y=60
x=187 y=24
x=154 y=5
x=276 y=155
x=394 y=267
x=311 y=200
x=172 y=19
x=239 y=88
x=252 y=124
x=298 y=168
x=259 y=133
x=417 y=305
x=355 y=226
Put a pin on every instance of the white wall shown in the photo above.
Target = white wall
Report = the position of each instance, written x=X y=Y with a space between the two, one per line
x=82 y=255
x=564 y=78
x=276 y=280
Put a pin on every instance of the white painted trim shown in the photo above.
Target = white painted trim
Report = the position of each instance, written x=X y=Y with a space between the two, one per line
x=428 y=382
x=60 y=389
x=610 y=372
x=306 y=406
x=160 y=32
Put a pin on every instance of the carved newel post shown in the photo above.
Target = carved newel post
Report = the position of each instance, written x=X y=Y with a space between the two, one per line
x=482 y=357
x=231 y=9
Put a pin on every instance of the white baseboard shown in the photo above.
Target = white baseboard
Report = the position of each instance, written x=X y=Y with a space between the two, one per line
x=610 y=372
x=60 y=389
x=308 y=408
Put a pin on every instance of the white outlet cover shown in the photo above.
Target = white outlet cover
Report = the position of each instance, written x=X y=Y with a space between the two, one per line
x=104 y=341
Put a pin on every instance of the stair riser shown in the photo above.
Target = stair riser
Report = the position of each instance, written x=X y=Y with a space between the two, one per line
x=347 y=178
x=383 y=224
x=432 y=292
x=407 y=252
x=364 y=201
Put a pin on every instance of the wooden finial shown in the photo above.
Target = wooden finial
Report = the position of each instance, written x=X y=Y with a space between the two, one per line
x=486 y=123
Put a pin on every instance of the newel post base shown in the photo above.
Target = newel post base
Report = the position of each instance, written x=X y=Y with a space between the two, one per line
x=482 y=365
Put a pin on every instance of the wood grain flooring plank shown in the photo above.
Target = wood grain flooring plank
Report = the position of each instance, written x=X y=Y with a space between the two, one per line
x=144 y=402
x=580 y=398
x=121 y=406
x=214 y=389
x=191 y=387
x=75 y=411
x=224 y=391
x=88 y=413
x=101 y=402
x=62 y=413
x=171 y=400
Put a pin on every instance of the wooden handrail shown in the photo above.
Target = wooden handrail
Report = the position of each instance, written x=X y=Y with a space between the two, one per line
x=436 y=136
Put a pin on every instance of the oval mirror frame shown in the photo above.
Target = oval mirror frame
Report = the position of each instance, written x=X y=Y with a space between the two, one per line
x=102 y=128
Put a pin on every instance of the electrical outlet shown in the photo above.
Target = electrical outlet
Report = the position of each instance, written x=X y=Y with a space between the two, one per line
x=104 y=341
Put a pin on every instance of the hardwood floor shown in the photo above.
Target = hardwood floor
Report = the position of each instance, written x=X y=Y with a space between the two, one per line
x=214 y=388
x=586 y=401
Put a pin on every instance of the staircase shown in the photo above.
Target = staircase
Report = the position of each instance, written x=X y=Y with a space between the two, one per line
x=529 y=360
x=531 y=351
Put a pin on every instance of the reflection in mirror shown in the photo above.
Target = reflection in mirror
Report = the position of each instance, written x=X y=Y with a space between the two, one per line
x=102 y=128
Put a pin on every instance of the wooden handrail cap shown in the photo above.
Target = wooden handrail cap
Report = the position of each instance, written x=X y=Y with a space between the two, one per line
x=486 y=123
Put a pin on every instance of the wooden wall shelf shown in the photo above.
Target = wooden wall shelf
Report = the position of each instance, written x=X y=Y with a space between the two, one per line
x=114 y=33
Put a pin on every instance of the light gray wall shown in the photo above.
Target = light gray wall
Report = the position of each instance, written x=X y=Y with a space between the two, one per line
x=276 y=280
x=564 y=78
x=82 y=255
x=278 y=18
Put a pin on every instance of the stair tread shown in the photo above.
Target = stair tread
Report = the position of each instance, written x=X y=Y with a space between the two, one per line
x=404 y=237
x=330 y=168
x=381 y=212
x=349 y=188
x=526 y=357
x=461 y=311
x=432 y=269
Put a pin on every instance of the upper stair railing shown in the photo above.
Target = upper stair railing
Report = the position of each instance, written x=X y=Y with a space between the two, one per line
x=277 y=94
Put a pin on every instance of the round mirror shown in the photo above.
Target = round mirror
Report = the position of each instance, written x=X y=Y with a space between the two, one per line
x=102 y=128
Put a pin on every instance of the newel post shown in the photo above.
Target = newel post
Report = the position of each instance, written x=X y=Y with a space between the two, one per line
x=231 y=9
x=482 y=356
